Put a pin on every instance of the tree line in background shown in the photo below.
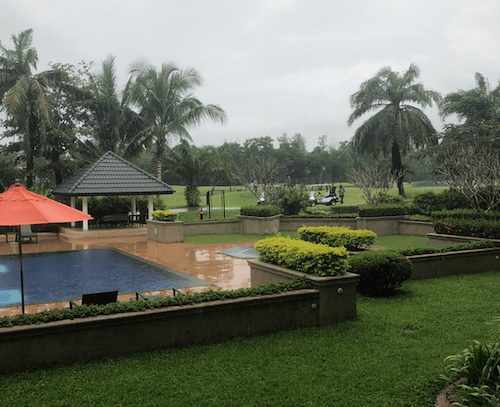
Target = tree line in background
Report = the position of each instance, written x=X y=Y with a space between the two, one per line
x=59 y=120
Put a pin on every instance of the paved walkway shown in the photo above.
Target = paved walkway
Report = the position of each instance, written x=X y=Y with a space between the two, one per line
x=204 y=261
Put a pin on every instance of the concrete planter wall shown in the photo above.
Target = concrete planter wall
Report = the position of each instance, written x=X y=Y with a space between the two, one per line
x=436 y=239
x=165 y=232
x=382 y=225
x=260 y=225
x=337 y=295
x=454 y=263
x=110 y=336
x=410 y=227
x=295 y=223
x=212 y=227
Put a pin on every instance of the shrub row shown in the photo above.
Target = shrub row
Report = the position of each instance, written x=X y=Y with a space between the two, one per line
x=337 y=236
x=478 y=244
x=306 y=257
x=165 y=216
x=298 y=283
x=381 y=272
x=381 y=210
x=482 y=228
x=464 y=214
x=260 y=210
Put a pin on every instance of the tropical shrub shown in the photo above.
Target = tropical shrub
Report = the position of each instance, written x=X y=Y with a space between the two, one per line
x=192 y=195
x=306 y=257
x=260 y=210
x=165 y=216
x=337 y=236
x=427 y=202
x=292 y=201
x=381 y=272
x=339 y=209
x=479 y=364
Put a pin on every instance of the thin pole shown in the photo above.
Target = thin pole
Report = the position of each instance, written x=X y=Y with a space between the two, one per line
x=20 y=245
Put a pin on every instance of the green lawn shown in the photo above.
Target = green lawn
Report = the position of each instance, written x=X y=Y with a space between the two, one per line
x=238 y=197
x=391 y=355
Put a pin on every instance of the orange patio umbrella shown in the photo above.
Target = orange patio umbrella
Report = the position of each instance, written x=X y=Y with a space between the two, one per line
x=18 y=206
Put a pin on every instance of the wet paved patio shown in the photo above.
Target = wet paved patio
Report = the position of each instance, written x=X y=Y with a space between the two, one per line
x=203 y=262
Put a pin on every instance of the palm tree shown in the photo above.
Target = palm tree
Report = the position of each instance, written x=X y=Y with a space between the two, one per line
x=114 y=126
x=478 y=107
x=23 y=95
x=397 y=127
x=167 y=105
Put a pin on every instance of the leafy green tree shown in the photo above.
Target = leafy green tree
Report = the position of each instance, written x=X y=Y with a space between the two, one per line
x=478 y=108
x=24 y=97
x=167 y=105
x=398 y=126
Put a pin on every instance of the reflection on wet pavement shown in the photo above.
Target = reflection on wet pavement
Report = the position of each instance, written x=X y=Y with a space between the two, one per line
x=203 y=262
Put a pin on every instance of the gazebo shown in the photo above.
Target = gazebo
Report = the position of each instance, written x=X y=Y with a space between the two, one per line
x=112 y=175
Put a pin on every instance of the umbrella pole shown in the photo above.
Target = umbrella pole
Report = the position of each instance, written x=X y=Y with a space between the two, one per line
x=20 y=245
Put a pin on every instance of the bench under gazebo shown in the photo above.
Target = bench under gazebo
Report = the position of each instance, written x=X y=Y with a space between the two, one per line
x=112 y=175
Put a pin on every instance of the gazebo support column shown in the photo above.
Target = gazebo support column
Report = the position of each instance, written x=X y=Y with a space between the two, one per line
x=85 y=209
x=150 y=207
x=133 y=206
x=73 y=205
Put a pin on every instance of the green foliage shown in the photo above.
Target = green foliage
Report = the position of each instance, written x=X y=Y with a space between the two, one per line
x=482 y=228
x=465 y=214
x=165 y=216
x=381 y=210
x=337 y=236
x=479 y=364
x=479 y=244
x=306 y=257
x=428 y=202
x=260 y=210
x=192 y=195
x=292 y=201
x=381 y=272
x=84 y=311
x=340 y=209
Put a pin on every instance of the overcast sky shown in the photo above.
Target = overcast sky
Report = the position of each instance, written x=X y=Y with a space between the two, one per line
x=274 y=66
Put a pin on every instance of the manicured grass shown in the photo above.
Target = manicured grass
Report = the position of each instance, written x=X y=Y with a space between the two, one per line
x=391 y=355
x=398 y=242
x=237 y=199
x=233 y=237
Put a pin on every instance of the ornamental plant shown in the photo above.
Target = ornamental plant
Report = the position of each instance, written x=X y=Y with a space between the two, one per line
x=478 y=244
x=381 y=210
x=482 y=228
x=306 y=257
x=260 y=210
x=381 y=272
x=337 y=236
x=165 y=216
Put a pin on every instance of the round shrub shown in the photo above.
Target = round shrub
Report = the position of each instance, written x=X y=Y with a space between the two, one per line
x=260 y=210
x=381 y=272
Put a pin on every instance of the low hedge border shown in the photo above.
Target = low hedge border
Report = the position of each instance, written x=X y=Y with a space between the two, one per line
x=165 y=216
x=264 y=211
x=84 y=311
x=310 y=258
x=480 y=244
x=337 y=236
x=482 y=228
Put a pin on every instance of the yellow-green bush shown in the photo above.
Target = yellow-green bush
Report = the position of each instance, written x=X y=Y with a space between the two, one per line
x=310 y=258
x=165 y=216
x=337 y=236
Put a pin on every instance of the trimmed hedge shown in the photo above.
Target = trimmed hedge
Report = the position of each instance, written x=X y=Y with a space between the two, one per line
x=381 y=272
x=165 y=216
x=479 y=244
x=337 y=236
x=306 y=257
x=381 y=210
x=263 y=211
x=83 y=311
x=465 y=214
x=482 y=228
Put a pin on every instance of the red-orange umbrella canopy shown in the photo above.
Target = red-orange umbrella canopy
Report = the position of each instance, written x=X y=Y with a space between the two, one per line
x=18 y=206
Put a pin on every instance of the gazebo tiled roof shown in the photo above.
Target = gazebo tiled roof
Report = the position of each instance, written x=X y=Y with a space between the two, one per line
x=112 y=175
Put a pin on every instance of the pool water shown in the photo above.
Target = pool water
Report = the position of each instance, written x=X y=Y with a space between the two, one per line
x=59 y=276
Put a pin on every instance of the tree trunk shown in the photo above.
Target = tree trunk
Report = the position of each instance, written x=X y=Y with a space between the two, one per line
x=160 y=152
x=397 y=168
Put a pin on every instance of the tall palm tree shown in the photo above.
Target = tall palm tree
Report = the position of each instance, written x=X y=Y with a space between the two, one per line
x=397 y=127
x=167 y=105
x=114 y=126
x=479 y=108
x=23 y=95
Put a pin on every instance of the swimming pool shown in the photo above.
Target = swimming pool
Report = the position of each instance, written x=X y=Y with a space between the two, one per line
x=59 y=276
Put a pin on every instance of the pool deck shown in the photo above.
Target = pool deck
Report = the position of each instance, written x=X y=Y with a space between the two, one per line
x=203 y=262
